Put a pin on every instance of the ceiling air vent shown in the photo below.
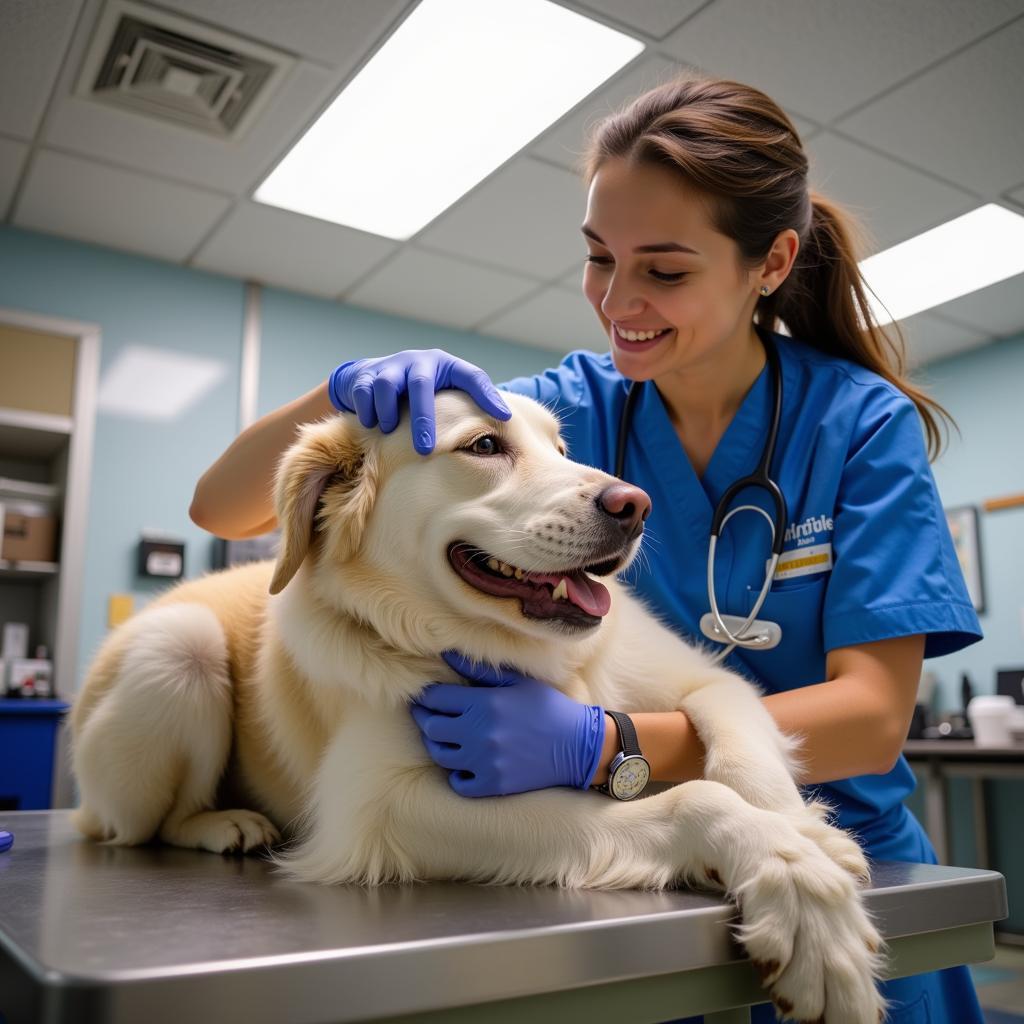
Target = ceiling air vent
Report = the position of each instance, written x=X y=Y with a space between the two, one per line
x=160 y=65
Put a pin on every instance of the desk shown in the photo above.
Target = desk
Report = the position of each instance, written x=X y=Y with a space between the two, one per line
x=158 y=934
x=942 y=759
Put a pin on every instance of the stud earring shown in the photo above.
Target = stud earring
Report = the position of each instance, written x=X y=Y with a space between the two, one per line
x=765 y=289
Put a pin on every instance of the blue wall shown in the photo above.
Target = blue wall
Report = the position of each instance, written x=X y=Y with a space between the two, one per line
x=144 y=473
x=304 y=338
x=984 y=392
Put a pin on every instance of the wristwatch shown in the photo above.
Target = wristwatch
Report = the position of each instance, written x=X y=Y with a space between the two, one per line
x=629 y=772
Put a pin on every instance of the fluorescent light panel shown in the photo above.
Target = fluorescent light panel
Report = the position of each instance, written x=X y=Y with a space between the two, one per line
x=459 y=87
x=958 y=257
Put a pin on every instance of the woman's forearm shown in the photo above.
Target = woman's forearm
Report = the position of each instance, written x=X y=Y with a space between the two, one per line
x=234 y=498
x=846 y=728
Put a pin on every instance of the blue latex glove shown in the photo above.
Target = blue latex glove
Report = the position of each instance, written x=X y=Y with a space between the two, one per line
x=371 y=389
x=509 y=735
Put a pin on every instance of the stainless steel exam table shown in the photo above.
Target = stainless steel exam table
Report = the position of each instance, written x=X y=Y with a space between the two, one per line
x=157 y=934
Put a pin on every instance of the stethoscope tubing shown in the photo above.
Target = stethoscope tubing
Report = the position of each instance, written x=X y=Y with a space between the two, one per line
x=761 y=477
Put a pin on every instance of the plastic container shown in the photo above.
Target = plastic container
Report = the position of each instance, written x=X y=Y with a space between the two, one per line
x=990 y=717
x=28 y=735
x=1017 y=724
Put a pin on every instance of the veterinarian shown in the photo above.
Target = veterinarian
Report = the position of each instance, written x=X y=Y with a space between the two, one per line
x=699 y=219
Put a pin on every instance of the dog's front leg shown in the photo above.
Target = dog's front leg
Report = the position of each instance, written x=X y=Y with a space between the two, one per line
x=745 y=748
x=645 y=666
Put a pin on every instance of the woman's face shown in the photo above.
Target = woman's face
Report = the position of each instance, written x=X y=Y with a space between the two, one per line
x=641 y=221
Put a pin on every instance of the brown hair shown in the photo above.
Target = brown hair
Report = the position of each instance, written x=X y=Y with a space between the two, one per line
x=739 y=149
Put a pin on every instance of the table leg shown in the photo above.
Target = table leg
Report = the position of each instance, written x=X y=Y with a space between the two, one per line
x=980 y=819
x=935 y=809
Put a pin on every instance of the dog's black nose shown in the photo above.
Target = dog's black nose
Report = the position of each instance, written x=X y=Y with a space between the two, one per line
x=626 y=504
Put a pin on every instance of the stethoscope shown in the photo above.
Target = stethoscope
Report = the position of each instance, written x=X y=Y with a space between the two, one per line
x=732 y=629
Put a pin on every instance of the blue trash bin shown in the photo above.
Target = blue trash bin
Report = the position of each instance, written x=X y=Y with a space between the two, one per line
x=28 y=744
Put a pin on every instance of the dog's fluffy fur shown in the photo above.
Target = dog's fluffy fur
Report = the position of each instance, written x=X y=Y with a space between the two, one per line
x=274 y=699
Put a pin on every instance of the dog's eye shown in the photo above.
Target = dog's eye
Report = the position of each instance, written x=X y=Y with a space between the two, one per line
x=486 y=445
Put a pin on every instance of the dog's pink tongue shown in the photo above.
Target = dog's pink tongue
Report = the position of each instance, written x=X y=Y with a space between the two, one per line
x=588 y=594
x=585 y=593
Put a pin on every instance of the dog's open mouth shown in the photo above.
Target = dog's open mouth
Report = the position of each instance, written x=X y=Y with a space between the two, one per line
x=571 y=596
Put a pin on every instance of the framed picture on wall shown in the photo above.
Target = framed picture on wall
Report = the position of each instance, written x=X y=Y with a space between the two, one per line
x=963 y=525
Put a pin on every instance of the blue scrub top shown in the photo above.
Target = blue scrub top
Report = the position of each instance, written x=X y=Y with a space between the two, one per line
x=869 y=553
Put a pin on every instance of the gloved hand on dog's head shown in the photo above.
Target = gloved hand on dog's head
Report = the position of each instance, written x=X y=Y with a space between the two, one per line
x=511 y=734
x=371 y=388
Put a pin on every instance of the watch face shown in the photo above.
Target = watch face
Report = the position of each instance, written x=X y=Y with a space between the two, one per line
x=631 y=777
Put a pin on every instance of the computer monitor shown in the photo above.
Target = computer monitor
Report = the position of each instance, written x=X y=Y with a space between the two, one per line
x=1010 y=681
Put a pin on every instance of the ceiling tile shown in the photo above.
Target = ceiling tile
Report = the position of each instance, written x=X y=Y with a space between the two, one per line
x=33 y=40
x=553 y=319
x=1016 y=196
x=996 y=311
x=655 y=18
x=525 y=218
x=931 y=337
x=825 y=57
x=12 y=159
x=336 y=34
x=76 y=198
x=263 y=243
x=894 y=202
x=564 y=142
x=973 y=135
x=440 y=289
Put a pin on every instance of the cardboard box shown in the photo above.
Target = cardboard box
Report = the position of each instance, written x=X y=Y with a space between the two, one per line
x=29 y=533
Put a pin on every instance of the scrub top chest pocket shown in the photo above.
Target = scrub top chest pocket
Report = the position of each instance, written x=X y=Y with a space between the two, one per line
x=796 y=605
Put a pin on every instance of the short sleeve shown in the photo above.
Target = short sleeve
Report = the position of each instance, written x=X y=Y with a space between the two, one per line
x=895 y=571
x=575 y=392
x=559 y=388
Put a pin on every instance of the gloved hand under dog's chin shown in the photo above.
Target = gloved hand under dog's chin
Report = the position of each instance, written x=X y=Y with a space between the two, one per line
x=507 y=733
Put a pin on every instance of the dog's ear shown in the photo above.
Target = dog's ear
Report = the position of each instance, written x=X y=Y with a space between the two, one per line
x=328 y=452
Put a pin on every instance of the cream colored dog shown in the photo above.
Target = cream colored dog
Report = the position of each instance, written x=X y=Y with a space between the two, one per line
x=282 y=691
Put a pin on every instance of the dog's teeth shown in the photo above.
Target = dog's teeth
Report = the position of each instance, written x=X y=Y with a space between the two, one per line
x=493 y=563
x=561 y=592
x=506 y=569
x=520 y=574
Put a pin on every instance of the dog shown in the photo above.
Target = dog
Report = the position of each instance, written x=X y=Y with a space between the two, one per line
x=272 y=700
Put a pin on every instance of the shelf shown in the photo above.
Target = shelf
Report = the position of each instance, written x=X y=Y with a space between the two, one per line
x=26 y=490
x=27 y=570
x=33 y=434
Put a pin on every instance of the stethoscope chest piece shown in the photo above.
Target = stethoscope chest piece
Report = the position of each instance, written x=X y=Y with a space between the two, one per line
x=761 y=635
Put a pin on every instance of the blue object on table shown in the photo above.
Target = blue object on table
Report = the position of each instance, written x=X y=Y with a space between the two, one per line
x=28 y=733
x=6 y=840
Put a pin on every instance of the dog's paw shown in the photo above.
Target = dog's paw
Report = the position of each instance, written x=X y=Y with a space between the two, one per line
x=235 y=831
x=809 y=936
x=837 y=845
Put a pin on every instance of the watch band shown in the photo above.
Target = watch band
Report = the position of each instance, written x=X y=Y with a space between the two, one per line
x=627 y=732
